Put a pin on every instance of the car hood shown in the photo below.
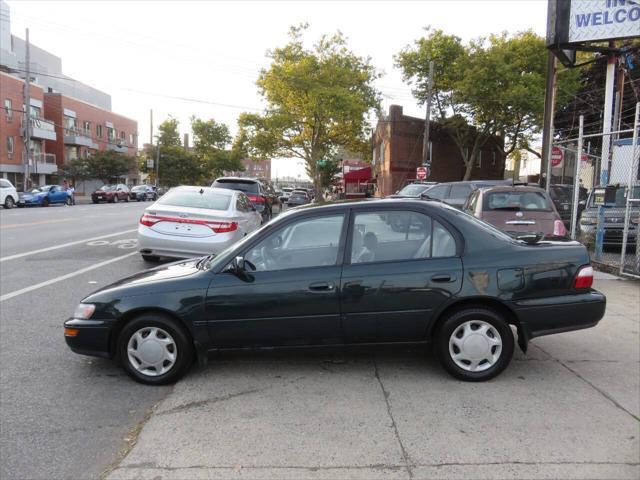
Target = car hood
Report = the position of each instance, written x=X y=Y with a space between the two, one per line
x=166 y=278
x=29 y=196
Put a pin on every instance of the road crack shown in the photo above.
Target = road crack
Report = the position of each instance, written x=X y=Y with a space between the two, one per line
x=207 y=401
x=405 y=455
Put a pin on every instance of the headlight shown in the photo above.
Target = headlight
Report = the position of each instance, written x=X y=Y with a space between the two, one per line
x=588 y=221
x=84 y=311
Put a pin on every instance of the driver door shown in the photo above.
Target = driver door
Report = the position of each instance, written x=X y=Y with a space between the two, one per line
x=289 y=293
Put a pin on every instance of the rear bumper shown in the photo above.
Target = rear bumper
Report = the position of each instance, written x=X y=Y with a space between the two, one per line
x=546 y=316
x=92 y=339
x=176 y=246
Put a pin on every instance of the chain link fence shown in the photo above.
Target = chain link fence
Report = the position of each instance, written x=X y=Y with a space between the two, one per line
x=597 y=194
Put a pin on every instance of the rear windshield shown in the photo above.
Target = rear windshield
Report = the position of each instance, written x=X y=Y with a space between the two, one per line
x=139 y=188
x=246 y=187
x=516 y=201
x=195 y=199
x=413 y=190
x=597 y=196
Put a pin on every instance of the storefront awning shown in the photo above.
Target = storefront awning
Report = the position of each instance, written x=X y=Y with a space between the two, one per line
x=361 y=175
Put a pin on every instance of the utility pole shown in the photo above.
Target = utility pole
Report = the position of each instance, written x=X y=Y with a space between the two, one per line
x=547 y=129
x=426 y=158
x=151 y=127
x=27 y=113
x=606 y=119
x=158 y=164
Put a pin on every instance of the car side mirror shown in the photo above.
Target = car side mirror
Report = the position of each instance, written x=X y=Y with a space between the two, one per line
x=237 y=265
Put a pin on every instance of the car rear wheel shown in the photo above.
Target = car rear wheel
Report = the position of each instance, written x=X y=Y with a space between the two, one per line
x=155 y=349
x=475 y=344
x=9 y=202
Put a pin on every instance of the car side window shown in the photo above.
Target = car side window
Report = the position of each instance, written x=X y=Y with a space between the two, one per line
x=392 y=235
x=310 y=242
x=4 y=184
x=473 y=201
x=460 y=191
x=444 y=245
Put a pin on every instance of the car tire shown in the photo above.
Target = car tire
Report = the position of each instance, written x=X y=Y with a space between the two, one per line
x=95 y=201
x=9 y=202
x=170 y=347
x=45 y=202
x=484 y=333
x=151 y=258
x=126 y=199
x=69 y=202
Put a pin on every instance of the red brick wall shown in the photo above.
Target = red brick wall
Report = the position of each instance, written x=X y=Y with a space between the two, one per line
x=55 y=104
x=403 y=137
x=12 y=88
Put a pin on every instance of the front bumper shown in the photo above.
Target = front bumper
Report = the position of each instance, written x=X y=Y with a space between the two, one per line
x=27 y=202
x=92 y=338
x=549 y=315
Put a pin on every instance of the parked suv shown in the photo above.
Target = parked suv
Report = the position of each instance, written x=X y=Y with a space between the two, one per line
x=111 y=193
x=456 y=193
x=260 y=195
x=8 y=194
x=614 y=214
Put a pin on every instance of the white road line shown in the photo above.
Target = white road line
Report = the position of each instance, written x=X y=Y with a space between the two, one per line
x=64 y=277
x=55 y=247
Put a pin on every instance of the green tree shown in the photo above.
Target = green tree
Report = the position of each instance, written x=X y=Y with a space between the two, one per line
x=177 y=166
x=489 y=88
x=168 y=133
x=318 y=99
x=210 y=144
x=76 y=170
x=328 y=169
x=108 y=166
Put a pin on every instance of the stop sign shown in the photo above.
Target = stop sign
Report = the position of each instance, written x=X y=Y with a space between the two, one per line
x=422 y=173
x=556 y=156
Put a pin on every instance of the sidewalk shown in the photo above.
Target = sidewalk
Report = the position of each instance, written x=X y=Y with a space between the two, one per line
x=570 y=408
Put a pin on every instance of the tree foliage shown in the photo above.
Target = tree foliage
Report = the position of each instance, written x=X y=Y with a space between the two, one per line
x=168 y=133
x=318 y=100
x=108 y=166
x=211 y=145
x=488 y=88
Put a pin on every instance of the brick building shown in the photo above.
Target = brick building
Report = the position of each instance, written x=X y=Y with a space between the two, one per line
x=397 y=152
x=255 y=168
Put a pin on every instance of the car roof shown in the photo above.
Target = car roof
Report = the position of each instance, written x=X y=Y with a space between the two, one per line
x=221 y=191
x=514 y=188
x=479 y=182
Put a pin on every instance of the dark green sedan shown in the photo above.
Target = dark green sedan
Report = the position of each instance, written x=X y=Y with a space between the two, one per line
x=339 y=274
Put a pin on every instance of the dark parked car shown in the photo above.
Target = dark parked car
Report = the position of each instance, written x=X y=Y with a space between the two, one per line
x=517 y=210
x=261 y=195
x=562 y=196
x=456 y=193
x=142 y=193
x=111 y=194
x=337 y=274
x=614 y=214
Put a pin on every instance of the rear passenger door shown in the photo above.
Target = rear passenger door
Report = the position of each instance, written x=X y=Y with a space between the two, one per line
x=400 y=267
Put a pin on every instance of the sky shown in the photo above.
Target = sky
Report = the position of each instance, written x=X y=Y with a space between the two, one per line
x=202 y=58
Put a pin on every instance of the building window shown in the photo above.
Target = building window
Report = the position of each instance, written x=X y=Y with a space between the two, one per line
x=479 y=159
x=123 y=136
x=111 y=134
x=8 y=109
x=493 y=158
x=132 y=139
x=99 y=131
x=10 y=144
x=87 y=127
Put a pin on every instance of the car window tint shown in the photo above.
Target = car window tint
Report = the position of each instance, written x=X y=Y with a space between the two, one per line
x=413 y=190
x=246 y=187
x=438 y=192
x=383 y=236
x=306 y=243
x=460 y=191
x=195 y=199
x=516 y=201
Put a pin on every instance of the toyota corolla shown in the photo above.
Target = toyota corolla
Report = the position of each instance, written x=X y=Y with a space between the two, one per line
x=339 y=274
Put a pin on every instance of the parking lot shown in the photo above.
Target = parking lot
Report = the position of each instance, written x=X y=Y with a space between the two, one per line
x=570 y=408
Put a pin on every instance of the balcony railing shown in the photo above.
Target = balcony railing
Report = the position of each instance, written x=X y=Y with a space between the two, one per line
x=77 y=131
x=79 y=136
x=43 y=158
x=40 y=128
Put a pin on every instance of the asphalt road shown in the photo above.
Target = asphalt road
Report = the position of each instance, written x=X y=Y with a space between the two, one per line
x=62 y=415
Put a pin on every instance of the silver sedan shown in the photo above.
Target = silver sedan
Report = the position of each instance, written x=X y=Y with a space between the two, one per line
x=194 y=221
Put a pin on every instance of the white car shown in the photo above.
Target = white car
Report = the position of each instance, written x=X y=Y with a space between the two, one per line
x=8 y=194
x=195 y=221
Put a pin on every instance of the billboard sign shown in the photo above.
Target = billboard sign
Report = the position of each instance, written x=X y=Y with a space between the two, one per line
x=597 y=20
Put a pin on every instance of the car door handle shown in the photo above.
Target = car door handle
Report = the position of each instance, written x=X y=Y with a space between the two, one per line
x=443 y=278
x=322 y=287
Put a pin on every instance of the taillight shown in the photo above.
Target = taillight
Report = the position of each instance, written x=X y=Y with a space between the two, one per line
x=256 y=198
x=559 y=229
x=222 y=227
x=584 y=277
x=149 y=220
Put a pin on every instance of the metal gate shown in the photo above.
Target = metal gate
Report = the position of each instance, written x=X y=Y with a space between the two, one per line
x=598 y=195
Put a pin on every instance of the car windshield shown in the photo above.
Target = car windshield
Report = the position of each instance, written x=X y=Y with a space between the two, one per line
x=203 y=198
x=107 y=188
x=243 y=186
x=36 y=190
x=413 y=189
x=527 y=201
x=597 y=196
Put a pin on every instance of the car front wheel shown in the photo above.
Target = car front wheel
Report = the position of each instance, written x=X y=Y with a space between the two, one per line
x=9 y=202
x=154 y=349
x=475 y=344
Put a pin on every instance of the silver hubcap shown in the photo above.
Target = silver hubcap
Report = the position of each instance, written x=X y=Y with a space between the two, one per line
x=475 y=346
x=152 y=351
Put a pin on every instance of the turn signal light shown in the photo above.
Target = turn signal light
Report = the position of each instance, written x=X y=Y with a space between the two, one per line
x=584 y=278
x=71 y=332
